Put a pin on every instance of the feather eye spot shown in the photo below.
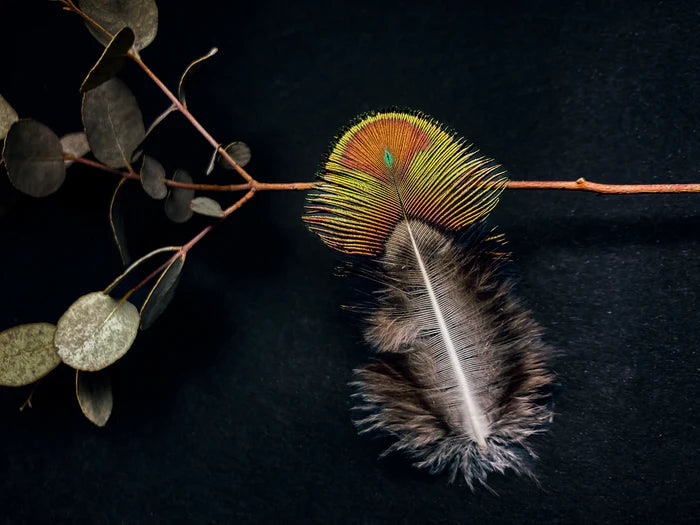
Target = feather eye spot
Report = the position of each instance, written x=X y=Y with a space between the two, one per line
x=388 y=159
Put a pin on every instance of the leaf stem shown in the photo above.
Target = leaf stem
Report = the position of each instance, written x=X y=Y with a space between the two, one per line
x=135 y=264
x=186 y=247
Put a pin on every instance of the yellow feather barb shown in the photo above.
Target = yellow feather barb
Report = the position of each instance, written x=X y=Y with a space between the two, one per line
x=394 y=166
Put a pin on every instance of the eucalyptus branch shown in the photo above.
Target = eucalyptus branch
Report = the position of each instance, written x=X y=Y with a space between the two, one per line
x=259 y=186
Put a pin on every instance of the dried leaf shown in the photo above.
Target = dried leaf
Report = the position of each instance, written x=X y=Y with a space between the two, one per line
x=162 y=293
x=33 y=156
x=116 y=222
x=190 y=69
x=113 y=15
x=8 y=116
x=96 y=331
x=239 y=152
x=94 y=393
x=206 y=206
x=177 y=205
x=111 y=61
x=75 y=144
x=27 y=353
x=113 y=123
x=152 y=175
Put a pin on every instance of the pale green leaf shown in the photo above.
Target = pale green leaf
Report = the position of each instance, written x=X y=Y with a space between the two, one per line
x=33 y=156
x=8 y=116
x=96 y=331
x=206 y=206
x=113 y=123
x=27 y=353
x=239 y=152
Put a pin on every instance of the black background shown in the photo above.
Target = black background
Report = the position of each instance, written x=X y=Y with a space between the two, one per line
x=234 y=407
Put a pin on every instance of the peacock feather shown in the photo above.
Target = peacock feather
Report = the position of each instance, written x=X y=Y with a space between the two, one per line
x=461 y=379
x=397 y=165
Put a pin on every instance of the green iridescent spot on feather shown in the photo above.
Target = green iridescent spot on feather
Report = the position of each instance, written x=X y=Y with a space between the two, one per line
x=388 y=158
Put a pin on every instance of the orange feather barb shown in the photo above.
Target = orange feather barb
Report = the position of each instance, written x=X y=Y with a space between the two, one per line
x=461 y=379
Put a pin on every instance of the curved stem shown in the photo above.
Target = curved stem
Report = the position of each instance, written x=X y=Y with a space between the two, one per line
x=135 y=264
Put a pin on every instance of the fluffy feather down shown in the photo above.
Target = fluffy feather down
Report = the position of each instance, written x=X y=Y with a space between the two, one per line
x=415 y=391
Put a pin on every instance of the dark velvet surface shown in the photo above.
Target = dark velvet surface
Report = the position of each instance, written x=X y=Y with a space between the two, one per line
x=235 y=406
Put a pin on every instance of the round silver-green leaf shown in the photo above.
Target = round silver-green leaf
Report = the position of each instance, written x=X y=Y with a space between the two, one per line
x=96 y=331
x=206 y=206
x=113 y=123
x=94 y=393
x=27 y=353
x=33 y=156
x=140 y=15
x=152 y=175
x=75 y=144
x=8 y=116
x=239 y=152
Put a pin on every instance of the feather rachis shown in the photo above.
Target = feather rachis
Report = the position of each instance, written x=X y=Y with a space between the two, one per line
x=402 y=392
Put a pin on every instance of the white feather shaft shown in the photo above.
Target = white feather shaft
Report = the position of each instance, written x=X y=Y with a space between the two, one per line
x=472 y=412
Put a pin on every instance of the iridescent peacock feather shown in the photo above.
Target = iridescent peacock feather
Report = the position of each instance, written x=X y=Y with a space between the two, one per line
x=462 y=378
x=394 y=166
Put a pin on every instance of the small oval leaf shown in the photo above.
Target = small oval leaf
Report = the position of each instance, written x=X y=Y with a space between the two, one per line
x=113 y=15
x=177 y=205
x=94 y=393
x=8 y=116
x=162 y=293
x=239 y=152
x=96 y=331
x=111 y=61
x=27 y=353
x=152 y=175
x=75 y=144
x=113 y=123
x=33 y=156
x=206 y=206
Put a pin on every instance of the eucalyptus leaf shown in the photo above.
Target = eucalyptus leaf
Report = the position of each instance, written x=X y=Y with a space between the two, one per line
x=95 y=331
x=94 y=393
x=116 y=222
x=162 y=293
x=152 y=175
x=239 y=152
x=111 y=61
x=206 y=206
x=191 y=69
x=27 y=353
x=113 y=123
x=113 y=15
x=33 y=157
x=177 y=205
x=8 y=116
x=75 y=144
